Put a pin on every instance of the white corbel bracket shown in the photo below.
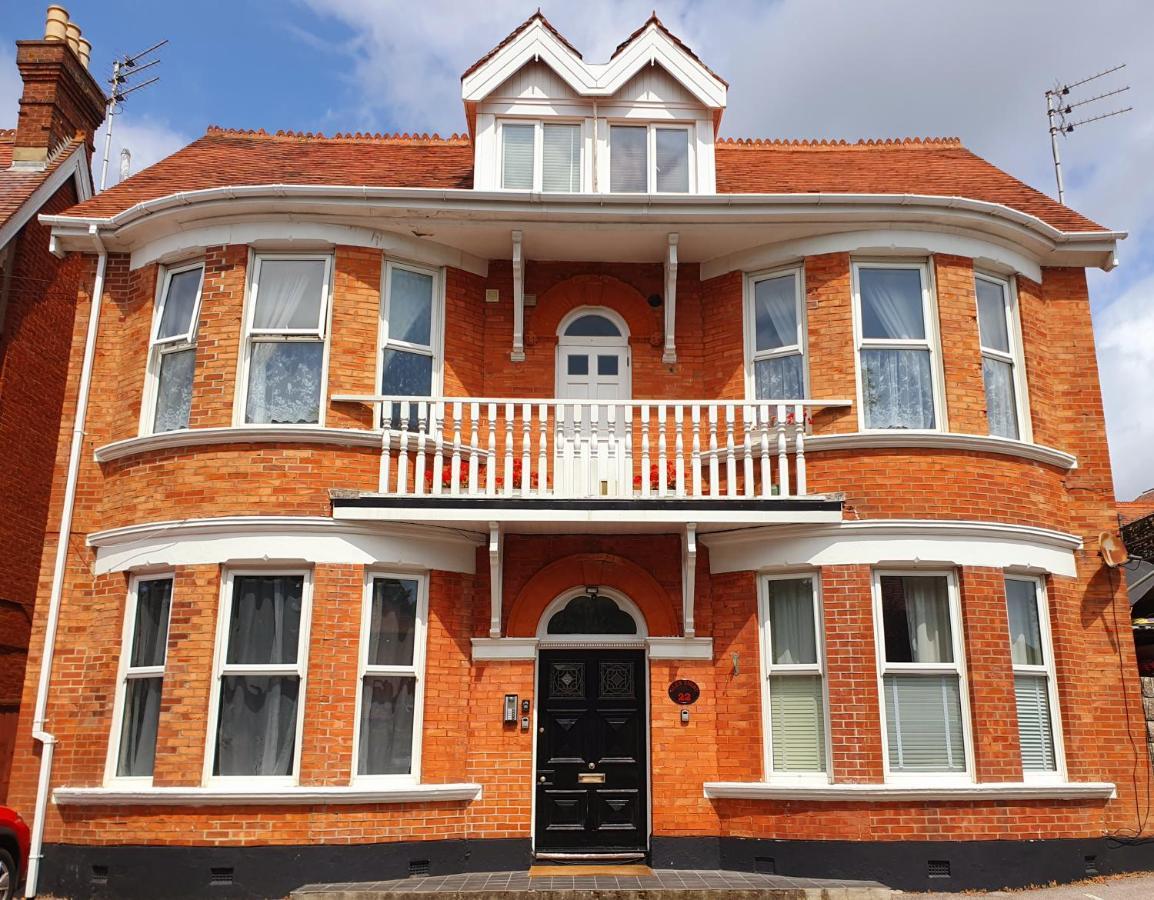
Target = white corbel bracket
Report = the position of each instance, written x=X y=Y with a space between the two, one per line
x=670 y=354
x=688 y=577
x=496 y=551
x=518 y=354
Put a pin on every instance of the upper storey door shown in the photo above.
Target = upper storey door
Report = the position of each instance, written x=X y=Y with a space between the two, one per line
x=592 y=365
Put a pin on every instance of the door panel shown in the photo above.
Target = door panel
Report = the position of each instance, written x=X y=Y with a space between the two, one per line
x=591 y=455
x=591 y=763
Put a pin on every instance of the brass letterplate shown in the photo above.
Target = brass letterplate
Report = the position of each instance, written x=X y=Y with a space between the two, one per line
x=590 y=777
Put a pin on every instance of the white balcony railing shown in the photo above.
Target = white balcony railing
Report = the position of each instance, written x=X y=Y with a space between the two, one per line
x=573 y=449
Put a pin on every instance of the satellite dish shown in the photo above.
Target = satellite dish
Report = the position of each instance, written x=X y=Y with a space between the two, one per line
x=1113 y=551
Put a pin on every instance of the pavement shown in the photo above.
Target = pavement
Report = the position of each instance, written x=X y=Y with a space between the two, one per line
x=1117 y=887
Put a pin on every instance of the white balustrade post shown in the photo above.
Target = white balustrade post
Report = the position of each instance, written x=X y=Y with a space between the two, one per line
x=386 y=444
x=714 y=462
x=543 y=450
x=422 y=426
x=474 y=437
x=782 y=459
x=747 y=448
x=596 y=456
x=766 y=460
x=403 y=453
x=645 y=463
x=799 y=451
x=679 y=449
x=438 y=446
x=562 y=465
x=507 y=489
x=578 y=477
x=695 y=414
x=626 y=489
x=611 y=447
x=491 y=464
x=526 y=447
x=730 y=455
x=455 y=472
x=662 y=450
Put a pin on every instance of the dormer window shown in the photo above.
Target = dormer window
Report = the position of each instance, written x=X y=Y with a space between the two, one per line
x=541 y=156
x=649 y=159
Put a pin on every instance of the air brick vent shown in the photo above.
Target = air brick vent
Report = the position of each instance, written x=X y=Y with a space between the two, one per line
x=220 y=876
x=418 y=868
x=1091 y=865
x=99 y=875
x=939 y=868
x=767 y=865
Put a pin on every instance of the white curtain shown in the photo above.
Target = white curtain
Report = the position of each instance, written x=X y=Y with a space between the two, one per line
x=256 y=734
x=672 y=160
x=288 y=294
x=898 y=389
x=628 y=159
x=775 y=312
x=891 y=301
x=1001 y=409
x=284 y=382
x=174 y=390
x=779 y=378
x=791 y=622
x=928 y=619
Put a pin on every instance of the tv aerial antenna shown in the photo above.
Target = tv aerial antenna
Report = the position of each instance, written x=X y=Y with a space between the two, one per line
x=1063 y=119
x=125 y=68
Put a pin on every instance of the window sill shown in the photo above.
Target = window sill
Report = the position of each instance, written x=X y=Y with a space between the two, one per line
x=910 y=790
x=240 y=434
x=218 y=796
x=941 y=440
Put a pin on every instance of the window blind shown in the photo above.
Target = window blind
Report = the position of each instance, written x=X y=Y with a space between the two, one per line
x=517 y=157
x=561 y=166
x=1034 y=731
x=924 y=723
x=797 y=720
x=628 y=159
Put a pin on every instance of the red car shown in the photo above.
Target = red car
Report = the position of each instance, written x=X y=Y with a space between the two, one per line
x=14 y=840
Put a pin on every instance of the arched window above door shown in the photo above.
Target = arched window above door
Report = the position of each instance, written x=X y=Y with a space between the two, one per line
x=594 y=612
x=592 y=325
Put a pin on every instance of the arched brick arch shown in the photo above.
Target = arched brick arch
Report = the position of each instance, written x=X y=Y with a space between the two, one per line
x=581 y=569
x=593 y=290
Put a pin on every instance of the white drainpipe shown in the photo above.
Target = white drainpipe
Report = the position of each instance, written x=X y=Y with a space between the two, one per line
x=46 y=739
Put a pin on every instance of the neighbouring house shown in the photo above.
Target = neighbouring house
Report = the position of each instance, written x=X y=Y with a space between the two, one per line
x=583 y=486
x=1137 y=517
x=44 y=168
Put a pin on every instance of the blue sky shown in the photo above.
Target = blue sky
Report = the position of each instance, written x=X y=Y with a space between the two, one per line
x=797 y=68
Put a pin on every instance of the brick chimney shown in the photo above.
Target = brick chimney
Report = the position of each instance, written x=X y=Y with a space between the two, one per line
x=61 y=99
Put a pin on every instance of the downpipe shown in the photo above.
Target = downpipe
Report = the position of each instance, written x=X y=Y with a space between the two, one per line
x=39 y=720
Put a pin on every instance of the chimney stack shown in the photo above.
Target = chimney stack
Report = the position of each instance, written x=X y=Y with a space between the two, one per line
x=61 y=99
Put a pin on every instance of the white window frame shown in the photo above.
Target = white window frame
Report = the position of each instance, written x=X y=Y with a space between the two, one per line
x=651 y=153
x=220 y=669
x=436 y=348
x=958 y=666
x=931 y=342
x=157 y=348
x=1016 y=358
x=249 y=336
x=1048 y=669
x=752 y=354
x=416 y=670
x=769 y=668
x=125 y=671
x=539 y=153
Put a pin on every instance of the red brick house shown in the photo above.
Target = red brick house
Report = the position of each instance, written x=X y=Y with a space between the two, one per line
x=44 y=168
x=585 y=486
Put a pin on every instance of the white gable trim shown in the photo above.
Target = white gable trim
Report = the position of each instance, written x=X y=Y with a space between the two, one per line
x=536 y=43
x=75 y=167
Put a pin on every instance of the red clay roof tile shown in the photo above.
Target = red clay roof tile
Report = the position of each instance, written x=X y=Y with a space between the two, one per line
x=17 y=185
x=935 y=166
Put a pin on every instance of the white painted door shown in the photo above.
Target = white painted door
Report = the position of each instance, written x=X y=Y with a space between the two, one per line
x=591 y=452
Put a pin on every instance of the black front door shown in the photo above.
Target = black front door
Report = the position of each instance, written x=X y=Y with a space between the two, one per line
x=591 y=781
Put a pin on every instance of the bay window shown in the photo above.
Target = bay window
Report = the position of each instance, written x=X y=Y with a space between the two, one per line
x=896 y=347
x=260 y=672
x=650 y=159
x=285 y=339
x=793 y=687
x=541 y=156
x=1034 y=685
x=775 y=336
x=1000 y=369
x=143 y=654
x=392 y=673
x=172 y=351
x=923 y=688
